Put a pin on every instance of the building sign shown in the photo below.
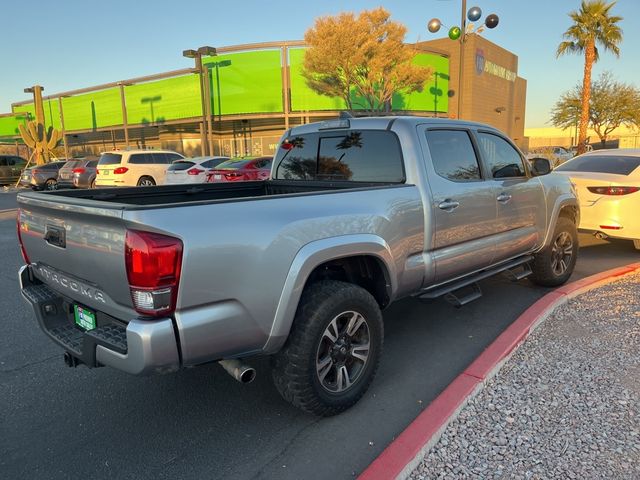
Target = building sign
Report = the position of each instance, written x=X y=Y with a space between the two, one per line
x=484 y=65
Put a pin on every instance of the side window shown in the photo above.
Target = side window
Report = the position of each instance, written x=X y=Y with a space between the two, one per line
x=171 y=157
x=503 y=161
x=361 y=156
x=138 y=158
x=11 y=161
x=453 y=155
x=3 y=161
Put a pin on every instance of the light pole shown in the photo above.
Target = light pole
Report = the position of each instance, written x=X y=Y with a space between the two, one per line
x=197 y=55
x=459 y=33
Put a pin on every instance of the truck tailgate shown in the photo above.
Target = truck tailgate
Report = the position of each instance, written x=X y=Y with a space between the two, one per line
x=79 y=252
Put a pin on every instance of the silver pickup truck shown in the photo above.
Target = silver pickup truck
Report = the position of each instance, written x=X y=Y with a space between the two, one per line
x=358 y=213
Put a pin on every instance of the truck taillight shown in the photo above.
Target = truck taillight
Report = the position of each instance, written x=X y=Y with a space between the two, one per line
x=19 y=227
x=120 y=170
x=153 y=263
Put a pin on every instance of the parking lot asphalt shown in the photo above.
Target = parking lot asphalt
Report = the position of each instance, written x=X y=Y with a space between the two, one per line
x=58 y=422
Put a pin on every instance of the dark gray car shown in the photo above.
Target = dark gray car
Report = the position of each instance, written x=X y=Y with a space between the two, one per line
x=11 y=167
x=78 y=173
x=42 y=177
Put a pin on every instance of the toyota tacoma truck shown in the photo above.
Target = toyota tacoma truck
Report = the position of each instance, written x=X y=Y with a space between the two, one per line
x=357 y=214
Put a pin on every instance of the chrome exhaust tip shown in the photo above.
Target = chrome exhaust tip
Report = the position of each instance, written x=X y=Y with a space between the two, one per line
x=601 y=235
x=241 y=372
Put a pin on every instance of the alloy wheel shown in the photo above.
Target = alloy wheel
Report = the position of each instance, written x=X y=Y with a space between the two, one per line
x=561 y=253
x=343 y=352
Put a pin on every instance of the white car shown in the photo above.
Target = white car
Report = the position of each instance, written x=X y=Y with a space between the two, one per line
x=128 y=168
x=608 y=187
x=192 y=170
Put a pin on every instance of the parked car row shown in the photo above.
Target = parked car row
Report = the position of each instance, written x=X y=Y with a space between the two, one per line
x=160 y=167
x=133 y=168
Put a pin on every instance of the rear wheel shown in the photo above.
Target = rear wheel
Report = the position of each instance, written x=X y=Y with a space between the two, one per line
x=554 y=264
x=333 y=349
x=51 y=184
x=636 y=243
x=146 y=182
x=93 y=183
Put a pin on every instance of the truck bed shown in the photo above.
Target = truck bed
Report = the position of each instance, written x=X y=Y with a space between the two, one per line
x=168 y=195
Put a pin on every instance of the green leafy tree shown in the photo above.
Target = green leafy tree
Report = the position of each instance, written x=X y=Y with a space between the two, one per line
x=362 y=59
x=611 y=105
x=593 y=26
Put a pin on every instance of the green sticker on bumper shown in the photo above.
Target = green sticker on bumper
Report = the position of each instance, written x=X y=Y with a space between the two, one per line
x=84 y=317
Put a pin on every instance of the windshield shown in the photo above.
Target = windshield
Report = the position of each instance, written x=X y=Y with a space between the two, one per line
x=618 y=165
x=110 y=159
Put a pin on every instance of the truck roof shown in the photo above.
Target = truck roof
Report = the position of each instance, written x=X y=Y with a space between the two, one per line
x=381 y=123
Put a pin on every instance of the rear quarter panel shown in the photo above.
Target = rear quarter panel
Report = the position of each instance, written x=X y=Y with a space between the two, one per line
x=237 y=255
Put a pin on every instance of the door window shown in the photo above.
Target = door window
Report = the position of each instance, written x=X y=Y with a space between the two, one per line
x=141 y=158
x=453 y=155
x=3 y=161
x=501 y=158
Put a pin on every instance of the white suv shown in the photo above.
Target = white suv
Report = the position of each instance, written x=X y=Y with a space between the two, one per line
x=127 y=168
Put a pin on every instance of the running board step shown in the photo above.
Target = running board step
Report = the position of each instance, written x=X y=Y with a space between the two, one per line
x=517 y=274
x=464 y=295
x=441 y=290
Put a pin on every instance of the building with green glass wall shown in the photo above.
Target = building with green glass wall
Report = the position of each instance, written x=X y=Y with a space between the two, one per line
x=252 y=93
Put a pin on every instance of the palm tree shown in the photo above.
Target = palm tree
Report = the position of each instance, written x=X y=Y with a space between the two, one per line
x=593 y=26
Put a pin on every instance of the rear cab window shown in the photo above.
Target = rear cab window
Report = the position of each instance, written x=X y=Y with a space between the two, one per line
x=617 y=165
x=369 y=156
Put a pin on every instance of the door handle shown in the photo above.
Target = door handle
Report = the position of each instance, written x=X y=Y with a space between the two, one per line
x=503 y=198
x=448 y=205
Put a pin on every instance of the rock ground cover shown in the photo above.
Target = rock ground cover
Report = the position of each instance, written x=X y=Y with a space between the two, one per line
x=566 y=405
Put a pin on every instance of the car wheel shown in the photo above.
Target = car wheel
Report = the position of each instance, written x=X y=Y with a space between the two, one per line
x=146 y=182
x=51 y=184
x=636 y=243
x=93 y=183
x=553 y=265
x=333 y=350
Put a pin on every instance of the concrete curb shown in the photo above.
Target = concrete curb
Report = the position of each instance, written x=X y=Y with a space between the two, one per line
x=405 y=453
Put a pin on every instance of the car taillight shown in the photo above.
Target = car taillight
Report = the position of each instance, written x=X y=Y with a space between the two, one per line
x=194 y=171
x=120 y=170
x=19 y=227
x=233 y=175
x=35 y=172
x=153 y=263
x=611 y=190
x=78 y=170
x=97 y=171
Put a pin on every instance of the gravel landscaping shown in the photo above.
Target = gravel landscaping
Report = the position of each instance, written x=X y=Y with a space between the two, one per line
x=566 y=405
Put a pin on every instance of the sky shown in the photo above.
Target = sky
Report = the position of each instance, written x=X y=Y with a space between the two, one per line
x=73 y=44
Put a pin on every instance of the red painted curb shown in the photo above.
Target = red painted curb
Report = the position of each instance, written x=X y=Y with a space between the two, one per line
x=415 y=440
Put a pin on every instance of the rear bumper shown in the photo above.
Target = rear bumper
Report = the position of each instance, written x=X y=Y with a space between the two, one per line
x=142 y=347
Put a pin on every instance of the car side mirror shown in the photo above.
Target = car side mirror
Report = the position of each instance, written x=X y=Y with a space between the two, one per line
x=540 y=166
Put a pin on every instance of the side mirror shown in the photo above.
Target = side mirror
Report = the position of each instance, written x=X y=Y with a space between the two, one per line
x=540 y=166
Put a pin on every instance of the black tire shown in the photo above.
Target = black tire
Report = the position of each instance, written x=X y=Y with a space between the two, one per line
x=93 y=183
x=554 y=264
x=146 y=181
x=636 y=244
x=295 y=368
x=50 y=184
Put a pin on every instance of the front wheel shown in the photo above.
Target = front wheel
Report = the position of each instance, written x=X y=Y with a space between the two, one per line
x=333 y=349
x=554 y=264
x=51 y=184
